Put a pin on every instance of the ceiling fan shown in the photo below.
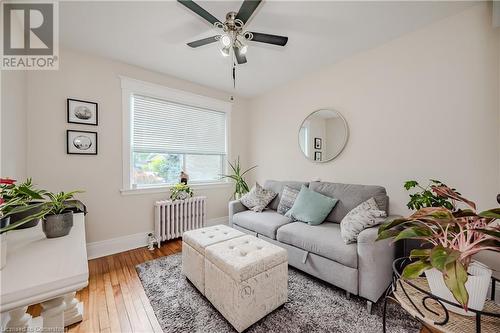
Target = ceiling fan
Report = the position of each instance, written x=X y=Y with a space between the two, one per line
x=233 y=37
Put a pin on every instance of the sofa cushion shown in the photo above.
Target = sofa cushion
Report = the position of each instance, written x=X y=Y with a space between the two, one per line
x=350 y=196
x=277 y=187
x=311 y=207
x=365 y=215
x=258 y=198
x=265 y=223
x=323 y=240
x=288 y=197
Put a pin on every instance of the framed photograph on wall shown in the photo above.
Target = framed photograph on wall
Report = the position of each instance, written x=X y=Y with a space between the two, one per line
x=81 y=142
x=317 y=156
x=317 y=143
x=81 y=112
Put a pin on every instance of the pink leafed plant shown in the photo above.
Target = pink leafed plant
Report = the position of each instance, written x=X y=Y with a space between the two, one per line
x=455 y=235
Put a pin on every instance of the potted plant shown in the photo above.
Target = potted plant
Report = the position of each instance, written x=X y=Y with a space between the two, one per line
x=180 y=191
x=25 y=195
x=56 y=213
x=454 y=236
x=240 y=185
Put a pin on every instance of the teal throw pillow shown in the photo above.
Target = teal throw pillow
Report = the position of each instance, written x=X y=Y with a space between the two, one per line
x=311 y=207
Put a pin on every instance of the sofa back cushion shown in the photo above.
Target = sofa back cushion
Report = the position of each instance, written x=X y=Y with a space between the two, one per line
x=350 y=196
x=277 y=187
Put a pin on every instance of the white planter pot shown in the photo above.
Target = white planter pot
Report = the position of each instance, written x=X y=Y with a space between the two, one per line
x=477 y=285
x=3 y=250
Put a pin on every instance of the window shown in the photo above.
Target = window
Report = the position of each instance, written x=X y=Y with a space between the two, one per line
x=169 y=131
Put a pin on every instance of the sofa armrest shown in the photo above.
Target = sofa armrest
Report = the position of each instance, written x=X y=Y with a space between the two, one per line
x=374 y=263
x=235 y=207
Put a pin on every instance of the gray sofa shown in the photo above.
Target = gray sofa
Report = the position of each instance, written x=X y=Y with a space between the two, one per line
x=363 y=268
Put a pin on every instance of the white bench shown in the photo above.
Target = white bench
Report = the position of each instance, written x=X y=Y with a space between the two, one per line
x=246 y=278
x=194 y=243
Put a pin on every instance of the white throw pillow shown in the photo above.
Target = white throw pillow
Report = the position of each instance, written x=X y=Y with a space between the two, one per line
x=258 y=198
x=365 y=215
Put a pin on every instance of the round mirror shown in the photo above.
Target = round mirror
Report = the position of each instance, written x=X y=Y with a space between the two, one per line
x=323 y=135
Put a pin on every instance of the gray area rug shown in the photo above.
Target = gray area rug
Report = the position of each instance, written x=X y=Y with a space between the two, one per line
x=313 y=306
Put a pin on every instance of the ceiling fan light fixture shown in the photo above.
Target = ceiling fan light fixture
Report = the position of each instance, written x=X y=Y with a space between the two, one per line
x=225 y=51
x=225 y=40
x=241 y=47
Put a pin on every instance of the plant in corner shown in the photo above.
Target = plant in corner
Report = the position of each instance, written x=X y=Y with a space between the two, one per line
x=240 y=184
x=454 y=235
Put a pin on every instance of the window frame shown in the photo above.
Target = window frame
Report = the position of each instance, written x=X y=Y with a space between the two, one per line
x=130 y=87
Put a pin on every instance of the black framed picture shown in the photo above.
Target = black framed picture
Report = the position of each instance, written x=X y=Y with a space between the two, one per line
x=81 y=142
x=317 y=143
x=317 y=156
x=81 y=112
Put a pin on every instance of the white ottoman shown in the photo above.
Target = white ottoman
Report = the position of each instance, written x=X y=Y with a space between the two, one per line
x=245 y=279
x=194 y=243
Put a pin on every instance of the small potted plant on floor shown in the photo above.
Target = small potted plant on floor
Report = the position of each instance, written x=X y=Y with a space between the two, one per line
x=454 y=235
x=240 y=184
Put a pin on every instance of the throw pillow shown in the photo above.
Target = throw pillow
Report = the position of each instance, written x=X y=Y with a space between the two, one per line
x=258 y=198
x=288 y=197
x=311 y=207
x=365 y=215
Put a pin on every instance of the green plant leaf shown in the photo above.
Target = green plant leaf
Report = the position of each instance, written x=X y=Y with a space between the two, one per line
x=455 y=277
x=440 y=257
x=464 y=213
x=420 y=253
x=384 y=234
x=414 y=270
x=413 y=232
x=391 y=224
x=491 y=213
x=410 y=184
x=493 y=233
x=246 y=171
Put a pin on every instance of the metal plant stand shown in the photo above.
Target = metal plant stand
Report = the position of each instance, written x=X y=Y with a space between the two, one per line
x=415 y=297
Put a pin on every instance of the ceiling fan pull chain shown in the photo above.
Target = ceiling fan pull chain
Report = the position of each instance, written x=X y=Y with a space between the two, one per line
x=234 y=75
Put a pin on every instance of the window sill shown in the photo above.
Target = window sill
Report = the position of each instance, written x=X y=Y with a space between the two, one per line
x=166 y=188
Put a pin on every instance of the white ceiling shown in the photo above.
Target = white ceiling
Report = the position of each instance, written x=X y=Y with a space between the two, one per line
x=153 y=35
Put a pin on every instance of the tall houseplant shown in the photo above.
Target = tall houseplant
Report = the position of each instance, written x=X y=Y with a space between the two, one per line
x=240 y=184
x=454 y=236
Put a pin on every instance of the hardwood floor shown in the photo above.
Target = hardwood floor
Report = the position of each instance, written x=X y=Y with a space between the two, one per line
x=114 y=300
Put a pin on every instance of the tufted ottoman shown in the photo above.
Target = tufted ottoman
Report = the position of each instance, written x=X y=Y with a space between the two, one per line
x=245 y=279
x=194 y=243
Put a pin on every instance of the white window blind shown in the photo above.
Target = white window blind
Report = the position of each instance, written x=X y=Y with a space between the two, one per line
x=161 y=126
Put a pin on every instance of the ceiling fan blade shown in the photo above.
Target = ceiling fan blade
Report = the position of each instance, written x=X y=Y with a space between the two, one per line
x=269 y=39
x=204 y=41
x=247 y=8
x=240 y=57
x=193 y=6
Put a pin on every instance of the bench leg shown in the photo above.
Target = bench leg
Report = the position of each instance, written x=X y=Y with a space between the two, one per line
x=369 y=305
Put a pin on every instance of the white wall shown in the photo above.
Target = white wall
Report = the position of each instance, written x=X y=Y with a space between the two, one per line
x=422 y=106
x=13 y=124
x=86 y=77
